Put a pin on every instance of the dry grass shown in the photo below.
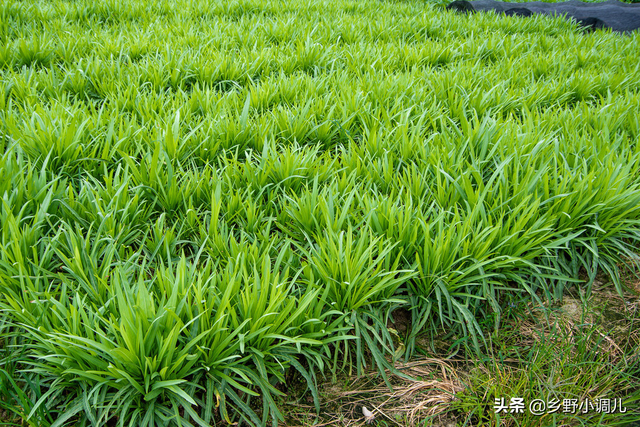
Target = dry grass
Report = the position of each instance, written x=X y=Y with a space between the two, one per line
x=425 y=390
x=606 y=312
x=429 y=386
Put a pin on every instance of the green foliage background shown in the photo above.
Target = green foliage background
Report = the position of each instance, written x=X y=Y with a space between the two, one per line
x=200 y=197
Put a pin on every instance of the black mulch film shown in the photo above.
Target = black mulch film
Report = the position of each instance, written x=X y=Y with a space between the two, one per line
x=620 y=17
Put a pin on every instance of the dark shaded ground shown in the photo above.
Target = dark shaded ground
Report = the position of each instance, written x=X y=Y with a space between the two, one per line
x=618 y=16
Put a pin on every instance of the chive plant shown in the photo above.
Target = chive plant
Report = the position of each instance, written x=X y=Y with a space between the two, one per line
x=199 y=200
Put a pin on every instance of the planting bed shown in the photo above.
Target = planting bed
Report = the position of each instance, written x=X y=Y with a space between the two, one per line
x=204 y=201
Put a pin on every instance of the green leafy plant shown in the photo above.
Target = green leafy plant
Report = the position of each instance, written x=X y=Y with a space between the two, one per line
x=202 y=202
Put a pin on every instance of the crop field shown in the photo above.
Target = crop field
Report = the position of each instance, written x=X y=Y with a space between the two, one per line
x=206 y=204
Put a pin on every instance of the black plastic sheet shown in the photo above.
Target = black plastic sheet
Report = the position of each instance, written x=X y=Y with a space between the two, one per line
x=620 y=17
